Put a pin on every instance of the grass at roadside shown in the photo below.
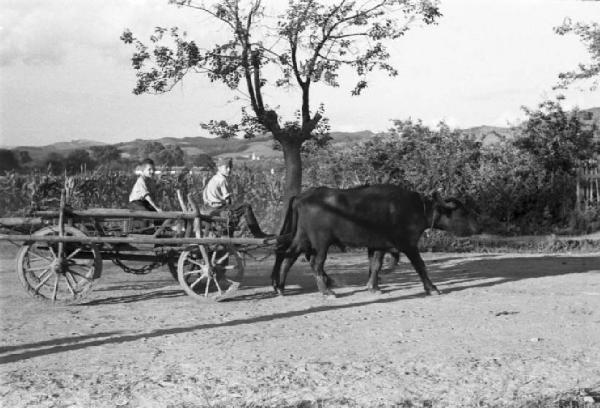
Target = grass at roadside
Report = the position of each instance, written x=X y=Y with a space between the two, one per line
x=442 y=242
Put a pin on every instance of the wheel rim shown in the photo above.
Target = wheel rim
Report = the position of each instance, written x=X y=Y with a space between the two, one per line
x=213 y=279
x=47 y=278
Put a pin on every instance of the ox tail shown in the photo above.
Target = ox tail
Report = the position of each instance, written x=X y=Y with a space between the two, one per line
x=290 y=223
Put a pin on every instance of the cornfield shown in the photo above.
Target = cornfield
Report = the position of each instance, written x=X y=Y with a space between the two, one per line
x=21 y=193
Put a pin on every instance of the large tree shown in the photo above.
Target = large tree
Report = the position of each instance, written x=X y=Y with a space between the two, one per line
x=589 y=34
x=309 y=42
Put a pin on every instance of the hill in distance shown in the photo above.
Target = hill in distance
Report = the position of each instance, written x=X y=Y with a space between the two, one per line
x=39 y=152
x=263 y=145
x=237 y=148
x=197 y=145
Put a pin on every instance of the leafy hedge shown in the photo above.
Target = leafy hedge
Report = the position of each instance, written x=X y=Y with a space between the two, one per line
x=513 y=189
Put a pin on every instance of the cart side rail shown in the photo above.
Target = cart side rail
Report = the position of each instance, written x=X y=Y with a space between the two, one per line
x=21 y=222
x=100 y=213
x=137 y=240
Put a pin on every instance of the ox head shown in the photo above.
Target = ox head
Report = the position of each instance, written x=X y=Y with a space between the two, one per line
x=453 y=216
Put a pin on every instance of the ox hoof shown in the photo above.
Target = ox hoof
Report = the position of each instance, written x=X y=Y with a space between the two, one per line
x=434 y=292
x=374 y=291
x=329 y=294
x=279 y=292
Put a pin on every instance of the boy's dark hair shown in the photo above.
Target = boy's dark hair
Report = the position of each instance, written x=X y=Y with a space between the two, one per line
x=147 y=161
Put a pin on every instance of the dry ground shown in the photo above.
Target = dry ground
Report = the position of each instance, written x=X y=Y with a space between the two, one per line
x=510 y=330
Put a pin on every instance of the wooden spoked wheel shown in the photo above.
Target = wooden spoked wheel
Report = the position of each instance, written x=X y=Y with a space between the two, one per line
x=213 y=279
x=62 y=280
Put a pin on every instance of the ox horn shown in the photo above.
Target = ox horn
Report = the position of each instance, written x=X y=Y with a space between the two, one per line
x=448 y=205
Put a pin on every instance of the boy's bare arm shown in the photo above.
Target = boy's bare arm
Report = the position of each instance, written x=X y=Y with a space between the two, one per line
x=149 y=199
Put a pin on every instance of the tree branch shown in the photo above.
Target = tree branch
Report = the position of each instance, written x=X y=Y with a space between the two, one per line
x=186 y=3
x=257 y=82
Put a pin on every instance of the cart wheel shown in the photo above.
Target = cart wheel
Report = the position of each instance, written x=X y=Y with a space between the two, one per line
x=217 y=282
x=47 y=279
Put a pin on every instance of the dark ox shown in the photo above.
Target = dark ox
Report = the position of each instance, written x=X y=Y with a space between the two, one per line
x=382 y=218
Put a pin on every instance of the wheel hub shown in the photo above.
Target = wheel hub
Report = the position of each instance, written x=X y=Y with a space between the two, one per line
x=60 y=266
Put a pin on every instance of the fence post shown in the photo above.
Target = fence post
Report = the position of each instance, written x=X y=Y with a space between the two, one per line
x=597 y=187
x=577 y=190
x=588 y=185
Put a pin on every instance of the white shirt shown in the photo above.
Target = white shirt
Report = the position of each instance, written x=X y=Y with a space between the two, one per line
x=140 y=190
x=216 y=191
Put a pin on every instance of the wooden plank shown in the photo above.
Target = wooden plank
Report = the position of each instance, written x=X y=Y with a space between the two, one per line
x=138 y=240
x=21 y=221
x=100 y=213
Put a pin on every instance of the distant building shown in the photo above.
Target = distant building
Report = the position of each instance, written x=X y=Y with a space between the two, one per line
x=252 y=157
x=591 y=117
x=176 y=170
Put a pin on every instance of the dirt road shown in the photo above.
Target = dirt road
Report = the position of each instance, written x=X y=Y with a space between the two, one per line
x=509 y=330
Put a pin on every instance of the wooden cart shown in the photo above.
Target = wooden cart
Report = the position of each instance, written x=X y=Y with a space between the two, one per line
x=61 y=252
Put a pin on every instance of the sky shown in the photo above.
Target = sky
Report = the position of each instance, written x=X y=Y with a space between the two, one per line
x=65 y=75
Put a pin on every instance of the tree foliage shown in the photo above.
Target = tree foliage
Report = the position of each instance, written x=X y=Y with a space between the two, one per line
x=169 y=155
x=54 y=163
x=308 y=43
x=8 y=160
x=106 y=154
x=202 y=160
x=410 y=154
x=24 y=157
x=78 y=159
x=589 y=34
x=556 y=138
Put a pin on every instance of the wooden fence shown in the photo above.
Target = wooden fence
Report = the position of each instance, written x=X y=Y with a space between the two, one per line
x=588 y=184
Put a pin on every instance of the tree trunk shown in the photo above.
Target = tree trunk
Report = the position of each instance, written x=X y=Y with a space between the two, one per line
x=293 y=167
x=293 y=172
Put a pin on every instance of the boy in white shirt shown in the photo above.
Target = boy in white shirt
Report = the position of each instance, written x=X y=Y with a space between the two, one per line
x=217 y=196
x=142 y=194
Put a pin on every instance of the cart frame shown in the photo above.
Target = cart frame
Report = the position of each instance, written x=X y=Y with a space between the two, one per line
x=61 y=261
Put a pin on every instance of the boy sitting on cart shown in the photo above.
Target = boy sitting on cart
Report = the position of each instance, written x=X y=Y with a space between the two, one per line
x=141 y=197
x=142 y=194
x=217 y=197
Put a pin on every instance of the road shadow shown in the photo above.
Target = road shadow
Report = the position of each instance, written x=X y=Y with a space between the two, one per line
x=452 y=274
x=58 y=342
x=456 y=273
x=125 y=338
x=128 y=285
x=136 y=297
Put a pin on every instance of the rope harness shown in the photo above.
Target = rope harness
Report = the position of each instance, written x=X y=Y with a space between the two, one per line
x=433 y=217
